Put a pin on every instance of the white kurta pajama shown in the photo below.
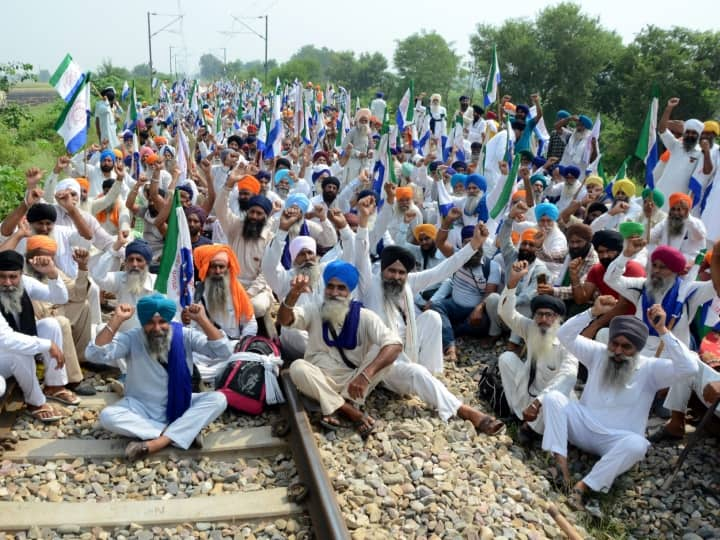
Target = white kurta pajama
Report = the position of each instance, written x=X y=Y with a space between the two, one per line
x=555 y=372
x=609 y=422
x=142 y=412
x=322 y=375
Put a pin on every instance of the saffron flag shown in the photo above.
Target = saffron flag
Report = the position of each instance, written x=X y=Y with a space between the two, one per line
x=493 y=81
x=175 y=276
x=647 y=148
x=73 y=122
x=67 y=78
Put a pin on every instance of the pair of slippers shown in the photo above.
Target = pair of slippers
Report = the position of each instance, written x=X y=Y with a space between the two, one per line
x=363 y=426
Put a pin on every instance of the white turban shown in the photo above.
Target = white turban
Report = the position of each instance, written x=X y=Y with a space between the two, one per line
x=694 y=125
x=436 y=96
x=363 y=113
x=302 y=242
x=68 y=183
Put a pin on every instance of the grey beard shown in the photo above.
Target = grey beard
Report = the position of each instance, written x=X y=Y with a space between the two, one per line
x=216 y=295
x=363 y=129
x=11 y=298
x=616 y=374
x=393 y=289
x=334 y=311
x=294 y=230
x=471 y=203
x=158 y=346
x=283 y=192
x=657 y=288
x=136 y=281
x=540 y=340
x=675 y=225
x=310 y=270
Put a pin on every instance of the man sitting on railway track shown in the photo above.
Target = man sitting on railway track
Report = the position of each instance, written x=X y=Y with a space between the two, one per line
x=338 y=370
x=159 y=407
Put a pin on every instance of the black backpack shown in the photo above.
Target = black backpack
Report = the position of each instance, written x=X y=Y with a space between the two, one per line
x=490 y=389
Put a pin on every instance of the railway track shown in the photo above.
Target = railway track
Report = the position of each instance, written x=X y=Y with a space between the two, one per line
x=285 y=451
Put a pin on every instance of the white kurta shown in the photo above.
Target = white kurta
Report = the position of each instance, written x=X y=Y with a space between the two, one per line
x=675 y=177
x=609 y=422
x=556 y=371
x=689 y=241
x=142 y=412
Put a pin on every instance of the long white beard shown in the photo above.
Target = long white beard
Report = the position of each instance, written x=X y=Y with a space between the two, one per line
x=136 y=281
x=294 y=230
x=334 y=310
x=11 y=298
x=363 y=129
x=541 y=344
x=435 y=110
x=158 y=347
x=471 y=203
x=310 y=270
x=616 y=375
x=216 y=295
x=657 y=291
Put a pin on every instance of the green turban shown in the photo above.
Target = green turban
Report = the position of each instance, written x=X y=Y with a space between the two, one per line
x=658 y=197
x=631 y=228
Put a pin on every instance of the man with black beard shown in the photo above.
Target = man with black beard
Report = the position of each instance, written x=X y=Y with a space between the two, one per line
x=159 y=407
x=339 y=369
x=611 y=416
x=249 y=235
x=330 y=188
x=680 y=230
x=686 y=158
x=547 y=366
x=427 y=256
x=580 y=258
x=608 y=246
x=196 y=217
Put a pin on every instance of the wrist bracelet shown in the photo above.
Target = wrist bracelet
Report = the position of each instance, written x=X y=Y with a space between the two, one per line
x=284 y=304
x=366 y=377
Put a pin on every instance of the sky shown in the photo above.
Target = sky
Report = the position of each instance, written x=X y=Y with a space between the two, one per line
x=93 y=32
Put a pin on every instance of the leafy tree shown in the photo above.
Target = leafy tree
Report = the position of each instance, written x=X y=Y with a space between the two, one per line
x=13 y=73
x=427 y=59
x=211 y=67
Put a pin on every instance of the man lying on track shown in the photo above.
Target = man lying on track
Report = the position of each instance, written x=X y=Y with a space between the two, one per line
x=159 y=407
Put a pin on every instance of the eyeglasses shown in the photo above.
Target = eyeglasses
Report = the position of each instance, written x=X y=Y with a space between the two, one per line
x=545 y=314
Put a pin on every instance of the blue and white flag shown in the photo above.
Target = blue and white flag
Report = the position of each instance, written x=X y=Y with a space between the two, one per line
x=445 y=202
x=273 y=144
x=72 y=125
x=647 y=147
x=125 y=91
x=493 y=81
x=67 y=78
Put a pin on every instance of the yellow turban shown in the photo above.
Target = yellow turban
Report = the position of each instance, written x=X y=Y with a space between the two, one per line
x=428 y=229
x=594 y=180
x=712 y=126
x=624 y=185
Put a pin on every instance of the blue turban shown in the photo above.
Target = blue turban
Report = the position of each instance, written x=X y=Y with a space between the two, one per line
x=459 y=165
x=139 y=247
x=571 y=170
x=467 y=232
x=585 y=121
x=524 y=108
x=261 y=201
x=187 y=189
x=539 y=161
x=284 y=173
x=379 y=95
x=539 y=177
x=153 y=304
x=262 y=174
x=458 y=178
x=107 y=154
x=299 y=200
x=367 y=193
x=342 y=271
x=317 y=174
x=547 y=209
x=476 y=179
x=434 y=165
x=562 y=114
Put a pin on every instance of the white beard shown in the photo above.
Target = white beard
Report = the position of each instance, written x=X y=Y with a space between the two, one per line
x=363 y=129
x=12 y=300
x=334 y=311
x=541 y=344
x=617 y=377
x=158 y=347
x=471 y=203
x=435 y=110
x=136 y=281
x=657 y=294
x=294 y=230
x=311 y=271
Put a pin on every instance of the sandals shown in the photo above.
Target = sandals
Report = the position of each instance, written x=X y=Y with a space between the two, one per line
x=46 y=413
x=662 y=434
x=580 y=501
x=330 y=422
x=136 y=450
x=364 y=427
x=490 y=426
x=64 y=396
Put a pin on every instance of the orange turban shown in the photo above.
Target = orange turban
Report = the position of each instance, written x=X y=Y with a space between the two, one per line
x=528 y=235
x=708 y=257
x=428 y=229
x=40 y=241
x=160 y=141
x=515 y=237
x=519 y=195
x=202 y=255
x=676 y=198
x=152 y=159
x=249 y=183
x=404 y=192
x=84 y=183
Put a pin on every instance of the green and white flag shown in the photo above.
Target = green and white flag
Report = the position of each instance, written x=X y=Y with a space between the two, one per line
x=67 y=78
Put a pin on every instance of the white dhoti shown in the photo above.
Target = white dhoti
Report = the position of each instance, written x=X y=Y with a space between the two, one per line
x=326 y=381
x=569 y=421
x=22 y=367
x=130 y=418
x=430 y=349
x=680 y=392
x=513 y=373
x=50 y=329
x=405 y=377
